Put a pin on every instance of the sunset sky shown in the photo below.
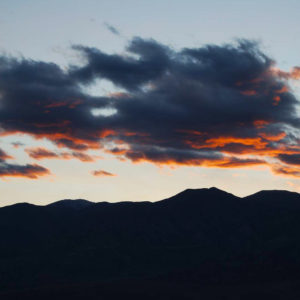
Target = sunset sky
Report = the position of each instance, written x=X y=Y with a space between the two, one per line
x=137 y=100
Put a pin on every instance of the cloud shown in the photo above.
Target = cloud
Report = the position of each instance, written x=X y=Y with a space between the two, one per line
x=286 y=171
x=290 y=159
x=4 y=156
x=192 y=158
x=214 y=106
x=42 y=153
x=17 y=144
x=102 y=173
x=127 y=72
x=82 y=156
x=293 y=74
x=31 y=171
x=111 y=28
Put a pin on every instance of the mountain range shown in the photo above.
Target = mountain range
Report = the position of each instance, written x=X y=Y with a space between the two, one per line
x=198 y=244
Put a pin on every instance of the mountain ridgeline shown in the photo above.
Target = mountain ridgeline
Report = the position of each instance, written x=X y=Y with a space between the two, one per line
x=182 y=245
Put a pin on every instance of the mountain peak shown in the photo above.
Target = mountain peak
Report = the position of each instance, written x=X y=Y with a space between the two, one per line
x=266 y=194
x=72 y=203
x=200 y=195
x=212 y=190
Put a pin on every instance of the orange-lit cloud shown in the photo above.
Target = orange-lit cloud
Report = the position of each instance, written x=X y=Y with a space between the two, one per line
x=221 y=141
x=260 y=123
x=293 y=74
x=286 y=171
x=42 y=153
x=284 y=89
x=191 y=159
x=102 y=173
x=273 y=137
x=249 y=92
x=276 y=99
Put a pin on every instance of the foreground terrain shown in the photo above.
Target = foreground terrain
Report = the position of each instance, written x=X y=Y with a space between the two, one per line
x=199 y=244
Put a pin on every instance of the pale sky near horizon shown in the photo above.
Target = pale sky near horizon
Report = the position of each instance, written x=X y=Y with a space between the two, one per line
x=46 y=30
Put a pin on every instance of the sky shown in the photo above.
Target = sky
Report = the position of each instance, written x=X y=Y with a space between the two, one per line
x=137 y=101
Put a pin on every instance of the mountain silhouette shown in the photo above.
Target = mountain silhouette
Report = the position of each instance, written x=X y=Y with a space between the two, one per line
x=199 y=243
x=69 y=203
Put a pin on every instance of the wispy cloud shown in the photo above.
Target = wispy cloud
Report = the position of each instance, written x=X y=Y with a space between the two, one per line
x=111 y=28
x=102 y=173
x=42 y=153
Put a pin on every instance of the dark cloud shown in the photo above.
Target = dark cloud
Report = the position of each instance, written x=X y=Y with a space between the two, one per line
x=102 y=173
x=127 y=72
x=218 y=106
x=31 y=171
x=291 y=159
x=184 y=157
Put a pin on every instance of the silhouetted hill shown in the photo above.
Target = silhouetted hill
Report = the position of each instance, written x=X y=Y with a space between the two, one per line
x=191 y=245
x=70 y=203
